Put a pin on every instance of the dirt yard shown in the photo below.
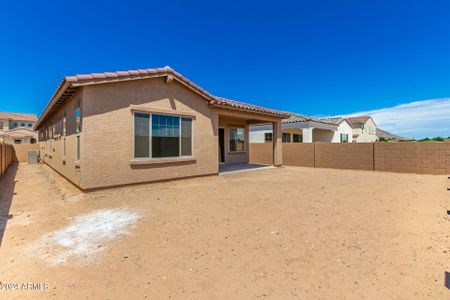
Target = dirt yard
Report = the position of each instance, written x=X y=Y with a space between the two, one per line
x=287 y=233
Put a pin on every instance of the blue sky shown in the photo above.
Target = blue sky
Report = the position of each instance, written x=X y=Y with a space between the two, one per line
x=313 y=57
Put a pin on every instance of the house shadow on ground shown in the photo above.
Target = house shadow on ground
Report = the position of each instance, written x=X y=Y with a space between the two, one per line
x=7 y=186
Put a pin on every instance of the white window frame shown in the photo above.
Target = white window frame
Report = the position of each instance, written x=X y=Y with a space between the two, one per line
x=150 y=136
x=300 y=136
x=229 y=140
x=271 y=137
x=288 y=140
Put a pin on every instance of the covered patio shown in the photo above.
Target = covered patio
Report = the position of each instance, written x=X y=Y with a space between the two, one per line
x=234 y=139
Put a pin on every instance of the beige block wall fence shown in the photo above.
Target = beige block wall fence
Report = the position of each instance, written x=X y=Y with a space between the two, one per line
x=6 y=157
x=14 y=153
x=422 y=158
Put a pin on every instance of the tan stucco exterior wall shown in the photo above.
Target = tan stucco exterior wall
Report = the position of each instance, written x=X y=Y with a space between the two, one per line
x=108 y=132
x=51 y=150
x=107 y=136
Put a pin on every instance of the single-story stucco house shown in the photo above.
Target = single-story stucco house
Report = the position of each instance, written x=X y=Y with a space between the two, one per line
x=126 y=127
x=305 y=129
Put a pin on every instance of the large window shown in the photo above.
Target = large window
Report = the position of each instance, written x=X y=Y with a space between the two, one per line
x=286 y=137
x=237 y=140
x=158 y=136
x=297 y=138
x=268 y=137
x=344 y=138
x=1 y=125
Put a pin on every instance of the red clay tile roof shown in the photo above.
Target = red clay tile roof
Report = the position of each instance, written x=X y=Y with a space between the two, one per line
x=356 y=122
x=18 y=116
x=70 y=84
x=227 y=103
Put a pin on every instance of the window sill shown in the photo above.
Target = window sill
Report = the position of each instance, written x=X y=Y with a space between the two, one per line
x=77 y=164
x=149 y=161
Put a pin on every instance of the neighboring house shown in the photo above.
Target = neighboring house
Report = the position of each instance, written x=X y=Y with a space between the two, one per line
x=364 y=129
x=127 y=127
x=305 y=129
x=16 y=128
x=344 y=131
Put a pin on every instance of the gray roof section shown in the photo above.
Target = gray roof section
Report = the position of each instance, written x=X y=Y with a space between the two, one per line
x=297 y=121
x=333 y=120
x=295 y=118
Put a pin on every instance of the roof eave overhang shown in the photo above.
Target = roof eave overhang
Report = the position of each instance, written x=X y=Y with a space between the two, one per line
x=70 y=86
x=273 y=115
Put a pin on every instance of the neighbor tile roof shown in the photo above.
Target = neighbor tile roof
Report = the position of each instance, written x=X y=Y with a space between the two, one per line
x=18 y=116
x=297 y=118
x=333 y=120
x=70 y=84
x=355 y=122
x=386 y=134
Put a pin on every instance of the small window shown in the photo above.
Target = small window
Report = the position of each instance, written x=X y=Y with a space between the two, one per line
x=64 y=147
x=15 y=125
x=78 y=147
x=237 y=140
x=17 y=141
x=29 y=125
x=64 y=124
x=286 y=137
x=297 y=138
x=186 y=136
x=268 y=137
x=344 y=138
x=141 y=135
x=22 y=124
x=78 y=119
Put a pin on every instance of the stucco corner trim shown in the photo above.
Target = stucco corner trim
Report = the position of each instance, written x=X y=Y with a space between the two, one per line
x=134 y=162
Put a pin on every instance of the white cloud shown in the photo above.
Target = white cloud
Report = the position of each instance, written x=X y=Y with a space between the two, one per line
x=427 y=118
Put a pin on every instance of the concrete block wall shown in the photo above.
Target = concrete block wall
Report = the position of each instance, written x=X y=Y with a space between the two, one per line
x=6 y=157
x=421 y=158
x=21 y=151
x=344 y=156
x=299 y=154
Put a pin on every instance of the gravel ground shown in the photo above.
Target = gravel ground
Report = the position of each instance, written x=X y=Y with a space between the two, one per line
x=284 y=233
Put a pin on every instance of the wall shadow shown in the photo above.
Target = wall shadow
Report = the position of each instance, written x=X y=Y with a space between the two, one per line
x=7 y=186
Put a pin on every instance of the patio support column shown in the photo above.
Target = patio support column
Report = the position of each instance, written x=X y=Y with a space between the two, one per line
x=277 y=144
x=308 y=135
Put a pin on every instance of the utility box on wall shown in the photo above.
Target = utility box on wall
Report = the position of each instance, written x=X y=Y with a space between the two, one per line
x=33 y=156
